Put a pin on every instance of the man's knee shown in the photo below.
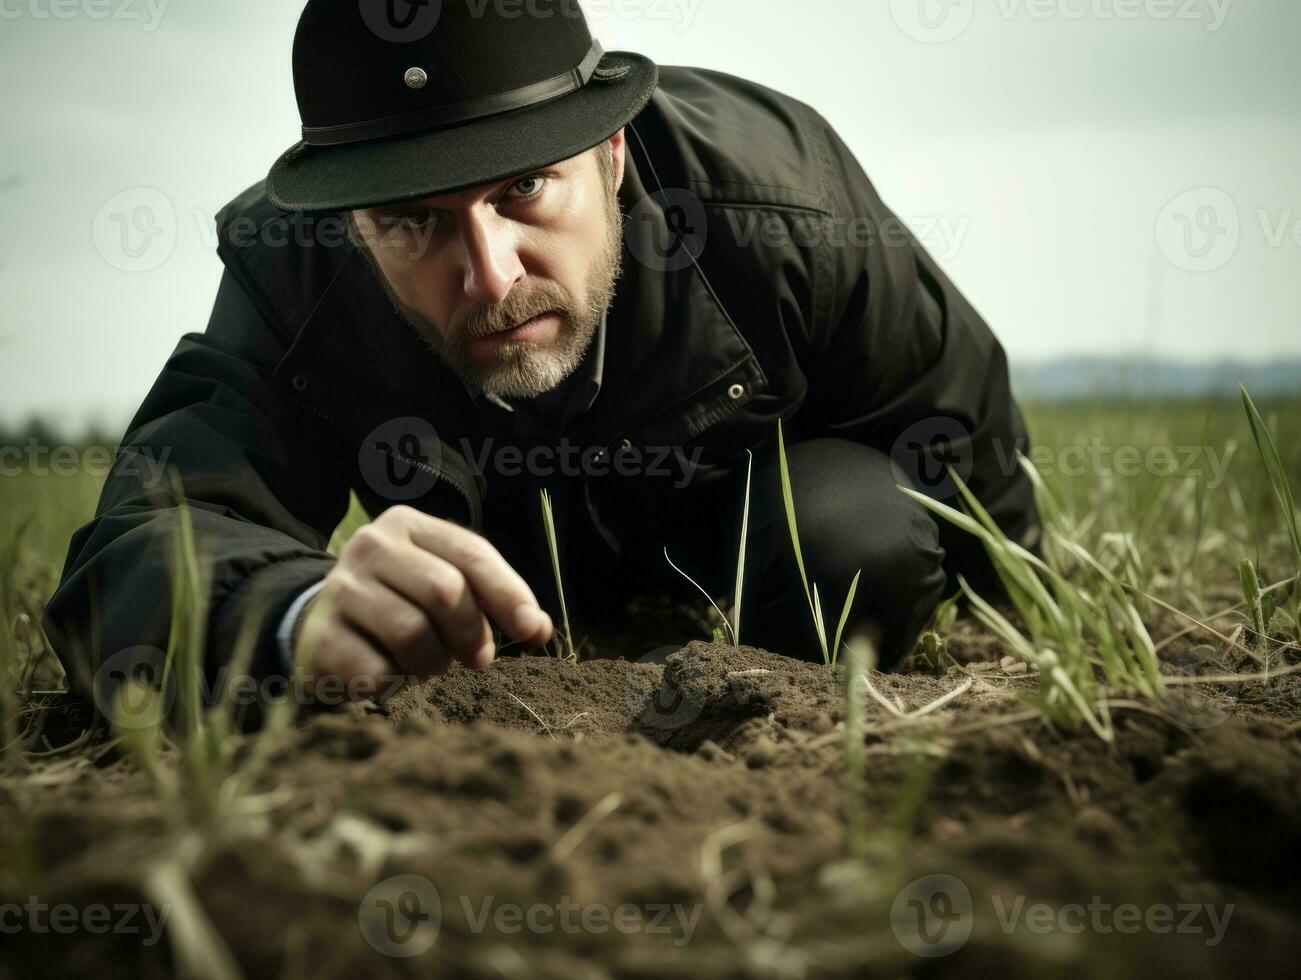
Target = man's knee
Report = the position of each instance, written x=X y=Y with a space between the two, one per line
x=852 y=520
x=853 y=517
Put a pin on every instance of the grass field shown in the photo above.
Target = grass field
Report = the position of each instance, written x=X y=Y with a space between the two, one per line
x=722 y=811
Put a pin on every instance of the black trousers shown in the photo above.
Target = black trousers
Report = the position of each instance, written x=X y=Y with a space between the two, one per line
x=851 y=518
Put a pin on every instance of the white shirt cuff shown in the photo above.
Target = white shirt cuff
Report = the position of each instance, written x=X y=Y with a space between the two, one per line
x=285 y=634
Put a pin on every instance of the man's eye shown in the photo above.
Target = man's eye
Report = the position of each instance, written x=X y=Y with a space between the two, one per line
x=530 y=186
x=416 y=220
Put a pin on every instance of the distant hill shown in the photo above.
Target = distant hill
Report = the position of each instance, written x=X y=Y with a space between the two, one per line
x=1120 y=377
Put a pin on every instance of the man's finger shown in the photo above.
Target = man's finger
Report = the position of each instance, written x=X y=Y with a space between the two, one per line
x=500 y=589
x=346 y=664
x=443 y=591
x=403 y=630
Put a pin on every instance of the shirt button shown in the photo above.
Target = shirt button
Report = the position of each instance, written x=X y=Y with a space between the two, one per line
x=735 y=392
x=626 y=445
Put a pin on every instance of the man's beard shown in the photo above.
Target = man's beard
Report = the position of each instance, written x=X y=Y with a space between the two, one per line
x=521 y=369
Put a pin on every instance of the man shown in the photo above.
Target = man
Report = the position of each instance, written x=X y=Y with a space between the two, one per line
x=563 y=269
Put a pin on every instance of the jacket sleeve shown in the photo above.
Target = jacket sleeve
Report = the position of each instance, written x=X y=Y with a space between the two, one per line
x=265 y=483
x=902 y=362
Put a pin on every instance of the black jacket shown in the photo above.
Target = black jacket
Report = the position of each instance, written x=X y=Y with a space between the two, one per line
x=804 y=303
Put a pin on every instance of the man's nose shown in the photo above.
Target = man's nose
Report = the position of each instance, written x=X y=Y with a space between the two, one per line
x=492 y=264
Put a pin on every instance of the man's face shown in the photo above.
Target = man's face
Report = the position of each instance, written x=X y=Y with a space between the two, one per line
x=506 y=282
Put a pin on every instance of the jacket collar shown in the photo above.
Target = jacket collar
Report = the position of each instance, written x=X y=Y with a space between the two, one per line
x=677 y=354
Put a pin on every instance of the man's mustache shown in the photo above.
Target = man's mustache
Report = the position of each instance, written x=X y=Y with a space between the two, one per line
x=484 y=321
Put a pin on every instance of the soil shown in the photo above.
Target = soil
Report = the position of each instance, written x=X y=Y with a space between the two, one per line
x=684 y=815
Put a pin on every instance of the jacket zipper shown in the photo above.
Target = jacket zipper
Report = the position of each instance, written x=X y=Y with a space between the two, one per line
x=447 y=477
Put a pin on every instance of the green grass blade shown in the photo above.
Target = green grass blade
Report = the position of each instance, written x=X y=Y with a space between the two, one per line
x=201 y=750
x=950 y=514
x=726 y=624
x=549 y=523
x=820 y=625
x=788 y=499
x=999 y=624
x=1277 y=473
x=844 y=615
x=740 y=552
x=1251 y=594
x=857 y=664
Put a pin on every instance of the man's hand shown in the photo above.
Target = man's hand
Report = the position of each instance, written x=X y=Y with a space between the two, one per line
x=407 y=597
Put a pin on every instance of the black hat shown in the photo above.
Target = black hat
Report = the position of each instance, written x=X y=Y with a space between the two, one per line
x=407 y=99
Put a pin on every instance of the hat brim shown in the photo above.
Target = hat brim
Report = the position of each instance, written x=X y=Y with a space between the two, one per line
x=410 y=168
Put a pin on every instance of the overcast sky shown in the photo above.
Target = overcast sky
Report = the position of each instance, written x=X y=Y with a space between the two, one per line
x=1099 y=176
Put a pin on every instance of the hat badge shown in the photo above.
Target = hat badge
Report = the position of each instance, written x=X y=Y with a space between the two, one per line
x=416 y=78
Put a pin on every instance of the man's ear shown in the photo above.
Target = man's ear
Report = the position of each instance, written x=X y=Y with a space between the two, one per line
x=618 y=147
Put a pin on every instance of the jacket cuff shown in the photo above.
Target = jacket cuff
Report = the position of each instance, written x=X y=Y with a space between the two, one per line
x=255 y=611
